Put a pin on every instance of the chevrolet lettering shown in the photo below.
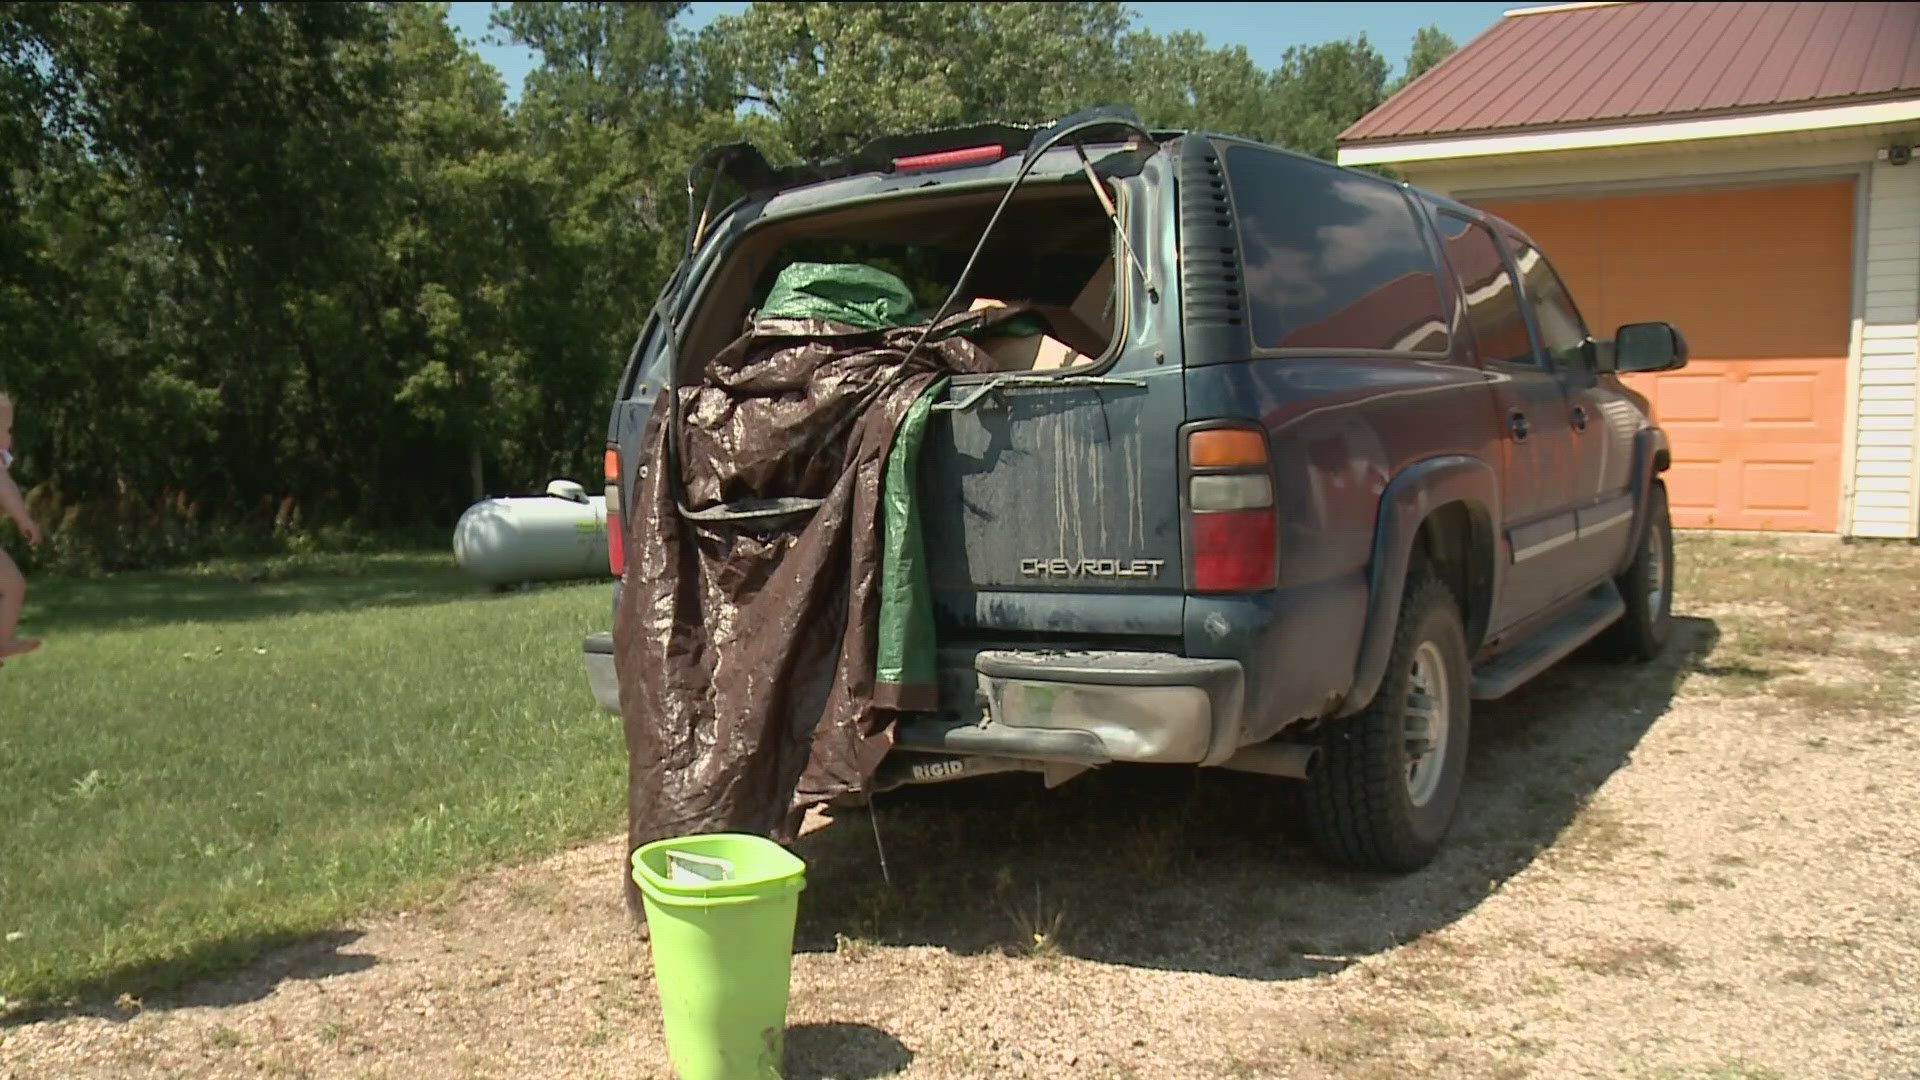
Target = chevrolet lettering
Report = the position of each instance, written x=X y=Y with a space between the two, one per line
x=1137 y=568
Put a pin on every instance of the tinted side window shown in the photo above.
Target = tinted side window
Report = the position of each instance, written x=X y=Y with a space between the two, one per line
x=1562 y=335
x=1493 y=298
x=1333 y=260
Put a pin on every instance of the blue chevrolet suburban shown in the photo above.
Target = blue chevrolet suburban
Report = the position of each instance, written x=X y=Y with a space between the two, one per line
x=1306 y=462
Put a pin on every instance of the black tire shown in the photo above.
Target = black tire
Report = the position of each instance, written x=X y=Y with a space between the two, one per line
x=1647 y=587
x=1368 y=806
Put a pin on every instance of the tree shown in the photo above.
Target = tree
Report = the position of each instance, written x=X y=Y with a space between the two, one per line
x=1180 y=82
x=27 y=98
x=834 y=76
x=258 y=256
x=619 y=107
x=1321 y=89
x=197 y=167
x=454 y=251
x=1430 y=46
x=611 y=64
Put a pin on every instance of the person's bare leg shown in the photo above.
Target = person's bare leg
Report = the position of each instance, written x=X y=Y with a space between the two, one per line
x=13 y=597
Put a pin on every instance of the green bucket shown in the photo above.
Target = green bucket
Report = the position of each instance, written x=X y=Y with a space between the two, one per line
x=720 y=909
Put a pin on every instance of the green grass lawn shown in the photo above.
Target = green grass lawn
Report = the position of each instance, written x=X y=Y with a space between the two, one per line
x=200 y=764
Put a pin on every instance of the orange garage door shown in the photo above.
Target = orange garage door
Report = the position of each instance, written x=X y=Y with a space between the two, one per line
x=1759 y=280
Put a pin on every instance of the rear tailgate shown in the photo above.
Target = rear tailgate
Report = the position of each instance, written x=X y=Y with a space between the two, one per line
x=1055 y=510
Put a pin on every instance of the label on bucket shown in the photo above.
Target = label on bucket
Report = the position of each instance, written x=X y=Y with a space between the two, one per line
x=686 y=868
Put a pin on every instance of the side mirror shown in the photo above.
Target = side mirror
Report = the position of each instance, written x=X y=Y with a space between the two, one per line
x=1648 y=346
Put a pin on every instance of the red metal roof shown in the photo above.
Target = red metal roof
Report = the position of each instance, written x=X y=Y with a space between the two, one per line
x=1581 y=64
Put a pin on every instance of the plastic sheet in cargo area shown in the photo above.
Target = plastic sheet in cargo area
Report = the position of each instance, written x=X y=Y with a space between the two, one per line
x=747 y=652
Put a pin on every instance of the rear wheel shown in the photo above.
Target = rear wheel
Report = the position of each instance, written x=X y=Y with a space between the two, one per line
x=1647 y=587
x=1383 y=792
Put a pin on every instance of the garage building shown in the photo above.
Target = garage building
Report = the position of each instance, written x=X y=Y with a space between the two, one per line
x=1742 y=171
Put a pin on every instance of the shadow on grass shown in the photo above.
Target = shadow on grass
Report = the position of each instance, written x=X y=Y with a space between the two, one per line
x=231 y=971
x=1204 y=870
x=246 y=589
x=843 y=1052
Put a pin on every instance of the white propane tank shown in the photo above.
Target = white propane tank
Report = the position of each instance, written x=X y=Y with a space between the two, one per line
x=508 y=541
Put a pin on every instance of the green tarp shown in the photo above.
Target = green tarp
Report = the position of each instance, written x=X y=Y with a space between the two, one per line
x=851 y=293
x=904 y=671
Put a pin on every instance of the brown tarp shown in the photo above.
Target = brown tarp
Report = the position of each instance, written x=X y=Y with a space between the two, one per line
x=745 y=652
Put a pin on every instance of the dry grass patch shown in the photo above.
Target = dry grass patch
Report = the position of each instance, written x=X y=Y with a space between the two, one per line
x=1541 y=985
x=1359 y=1043
x=1598 y=834
x=1724 y=1070
x=1638 y=958
x=1428 y=967
x=1821 y=628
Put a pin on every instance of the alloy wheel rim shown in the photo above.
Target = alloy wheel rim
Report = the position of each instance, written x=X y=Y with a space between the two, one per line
x=1426 y=723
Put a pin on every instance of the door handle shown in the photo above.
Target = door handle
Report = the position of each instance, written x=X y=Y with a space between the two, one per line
x=1517 y=420
x=1579 y=418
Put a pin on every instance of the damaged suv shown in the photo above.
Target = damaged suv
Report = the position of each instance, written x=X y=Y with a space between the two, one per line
x=1295 y=463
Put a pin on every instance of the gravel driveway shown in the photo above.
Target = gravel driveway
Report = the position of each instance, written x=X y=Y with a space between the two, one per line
x=1702 y=867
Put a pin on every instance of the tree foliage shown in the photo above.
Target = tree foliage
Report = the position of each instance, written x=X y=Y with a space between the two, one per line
x=832 y=75
x=273 y=268
x=1430 y=46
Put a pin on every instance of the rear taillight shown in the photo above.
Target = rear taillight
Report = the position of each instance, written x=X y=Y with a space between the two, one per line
x=616 y=528
x=1230 y=517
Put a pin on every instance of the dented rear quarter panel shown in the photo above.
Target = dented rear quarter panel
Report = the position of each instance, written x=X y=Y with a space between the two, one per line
x=1338 y=429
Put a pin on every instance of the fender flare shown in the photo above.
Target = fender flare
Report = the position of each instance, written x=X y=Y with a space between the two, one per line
x=1409 y=498
x=1652 y=455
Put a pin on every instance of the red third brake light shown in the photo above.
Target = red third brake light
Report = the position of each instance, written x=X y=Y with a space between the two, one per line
x=944 y=159
x=616 y=528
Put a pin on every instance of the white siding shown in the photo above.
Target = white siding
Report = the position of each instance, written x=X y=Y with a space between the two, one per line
x=1880 y=515
x=1885 y=437
x=1884 y=423
x=1885 y=481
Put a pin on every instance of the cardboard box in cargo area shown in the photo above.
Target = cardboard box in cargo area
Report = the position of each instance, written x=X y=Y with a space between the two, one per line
x=1080 y=329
